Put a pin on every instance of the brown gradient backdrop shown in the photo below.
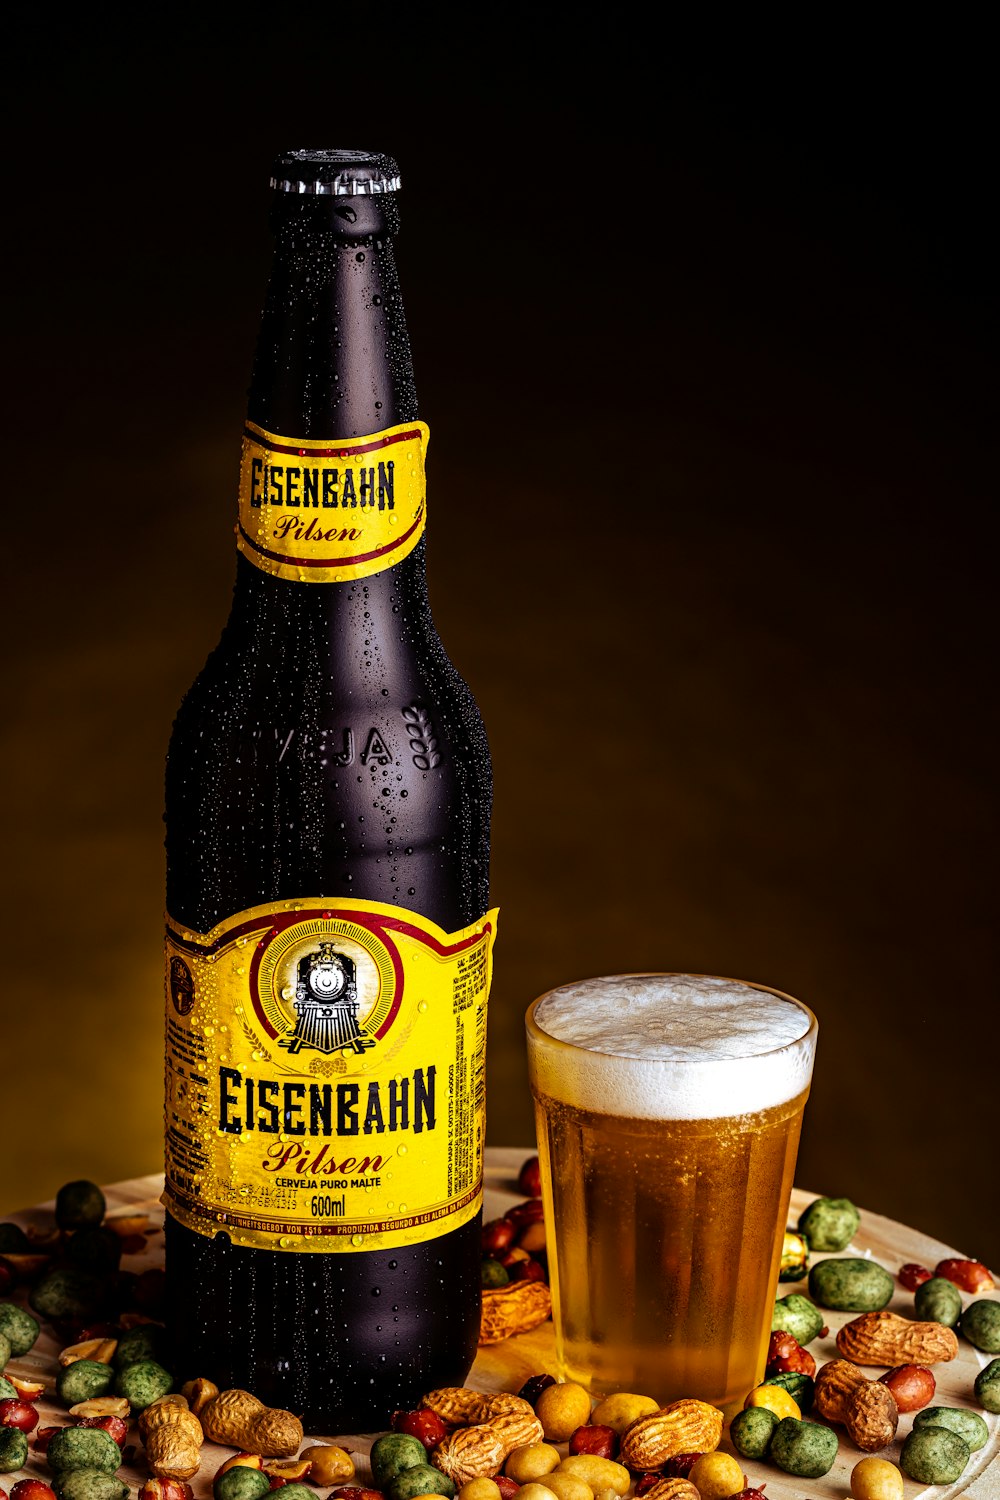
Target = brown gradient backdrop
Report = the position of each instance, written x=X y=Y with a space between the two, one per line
x=738 y=700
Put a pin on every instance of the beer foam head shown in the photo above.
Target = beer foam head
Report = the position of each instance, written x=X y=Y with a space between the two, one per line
x=670 y=1046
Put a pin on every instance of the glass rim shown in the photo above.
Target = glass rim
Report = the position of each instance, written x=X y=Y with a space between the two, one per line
x=535 y=1029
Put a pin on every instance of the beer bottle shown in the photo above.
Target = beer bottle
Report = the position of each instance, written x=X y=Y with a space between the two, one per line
x=329 y=943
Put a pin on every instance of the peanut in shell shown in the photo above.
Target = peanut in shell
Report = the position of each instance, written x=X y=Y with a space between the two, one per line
x=884 y=1338
x=686 y=1426
x=836 y=1383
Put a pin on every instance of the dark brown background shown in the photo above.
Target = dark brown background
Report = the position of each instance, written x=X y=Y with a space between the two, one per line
x=739 y=697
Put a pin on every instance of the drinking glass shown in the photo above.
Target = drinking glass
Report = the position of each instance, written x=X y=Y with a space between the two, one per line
x=668 y=1111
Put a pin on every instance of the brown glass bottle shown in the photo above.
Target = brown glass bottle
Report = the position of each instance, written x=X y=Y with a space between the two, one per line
x=270 y=798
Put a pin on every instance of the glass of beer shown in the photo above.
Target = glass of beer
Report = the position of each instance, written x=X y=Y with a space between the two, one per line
x=668 y=1110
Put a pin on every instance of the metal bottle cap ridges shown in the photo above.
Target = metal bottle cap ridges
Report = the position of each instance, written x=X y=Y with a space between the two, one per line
x=335 y=173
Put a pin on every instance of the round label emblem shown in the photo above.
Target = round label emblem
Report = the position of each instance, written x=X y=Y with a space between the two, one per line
x=325 y=985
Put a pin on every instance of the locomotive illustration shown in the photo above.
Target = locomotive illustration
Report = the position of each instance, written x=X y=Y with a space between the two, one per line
x=326 y=1004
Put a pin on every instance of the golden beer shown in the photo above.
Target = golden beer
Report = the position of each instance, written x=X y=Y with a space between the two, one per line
x=666 y=1170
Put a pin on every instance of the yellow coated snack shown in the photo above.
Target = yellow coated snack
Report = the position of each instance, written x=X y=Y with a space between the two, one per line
x=569 y=1487
x=716 y=1476
x=330 y=1464
x=479 y=1489
x=621 y=1410
x=876 y=1479
x=776 y=1399
x=533 y=1461
x=536 y=1491
x=599 y=1473
x=561 y=1409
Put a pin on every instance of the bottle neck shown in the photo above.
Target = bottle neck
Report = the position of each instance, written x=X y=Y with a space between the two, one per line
x=332 y=473
x=333 y=356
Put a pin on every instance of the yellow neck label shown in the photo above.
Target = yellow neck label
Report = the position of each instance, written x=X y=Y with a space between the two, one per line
x=331 y=511
x=325 y=1072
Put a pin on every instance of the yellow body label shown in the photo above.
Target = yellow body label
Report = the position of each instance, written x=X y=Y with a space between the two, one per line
x=329 y=511
x=325 y=1065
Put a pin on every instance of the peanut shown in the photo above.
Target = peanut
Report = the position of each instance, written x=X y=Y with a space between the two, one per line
x=871 y=1417
x=289 y=1470
x=28 y=1390
x=835 y=1385
x=100 y=1351
x=884 y=1338
x=173 y=1437
x=479 y=1452
x=238 y=1419
x=912 y=1386
x=676 y=1488
x=198 y=1393
x=102 y=1406
x=164 y=1489
x=515 y=1308
x=687 y=1426
x=594 y=1438
x=970 y=1275
x=240 y=1461
x=459 y=1406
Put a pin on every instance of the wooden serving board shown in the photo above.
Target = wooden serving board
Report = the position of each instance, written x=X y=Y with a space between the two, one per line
x=508 y=1365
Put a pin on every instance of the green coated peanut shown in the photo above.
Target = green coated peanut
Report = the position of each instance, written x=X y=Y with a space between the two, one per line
x=801 y=1388
x=13 y=1450
x=829 y=1223
x=938 y=1301
x=18 y=1327
x=421 y=1479
x=987 y=1387
x=969 y=1425
x=393 y=1453
x=89 y=1484
x=798 y=1316
x=79 y=1204
x=934 y=1455
x=83 y=1380
x=143 y=1382
x=804 y=1449
x=851 y=1285
x=751 y=1431
x=68 y=1294
x=241 y=1484
x=83 y=1448
x=980 y=1324
x=144 y=1341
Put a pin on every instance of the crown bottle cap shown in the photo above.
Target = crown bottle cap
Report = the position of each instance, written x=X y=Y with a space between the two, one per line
x=335 y=173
